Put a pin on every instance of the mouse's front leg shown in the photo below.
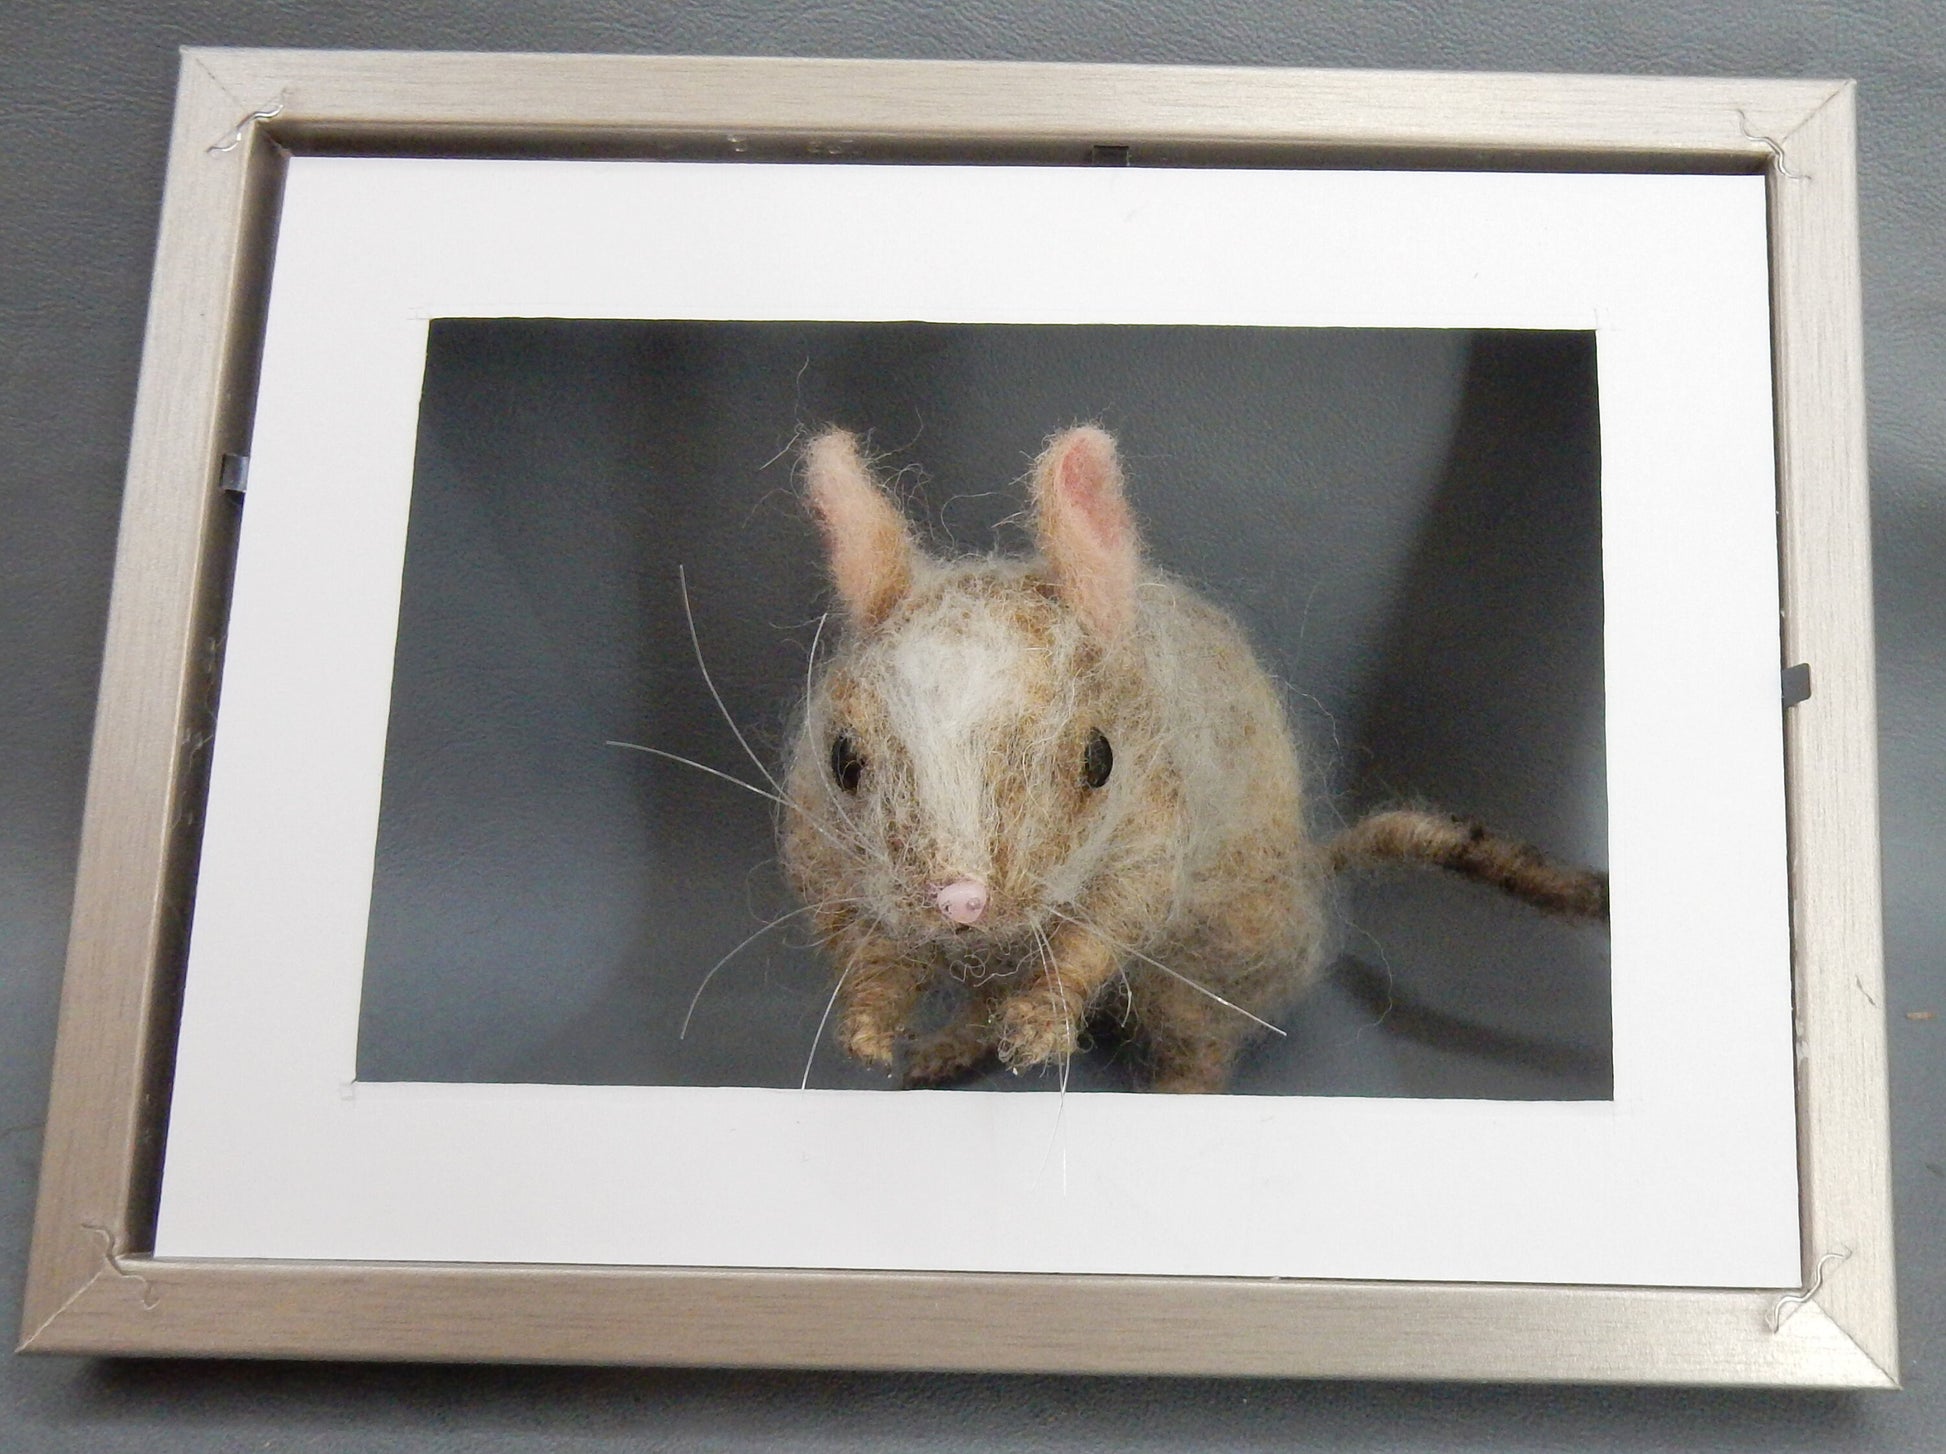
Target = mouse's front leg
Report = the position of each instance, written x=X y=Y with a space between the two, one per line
x=878 y=987
x=1043 y=1020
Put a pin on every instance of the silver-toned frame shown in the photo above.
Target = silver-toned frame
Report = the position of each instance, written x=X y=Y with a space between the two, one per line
x=93 y=1287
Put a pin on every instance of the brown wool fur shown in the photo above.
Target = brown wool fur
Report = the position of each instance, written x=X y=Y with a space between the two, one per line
x=1183 y=897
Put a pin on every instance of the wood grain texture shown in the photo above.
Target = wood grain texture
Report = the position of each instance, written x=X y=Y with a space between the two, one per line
x=513 y=94
x=104 y=1117
x=1831 y=739
x=944 y=1321
x=90 y=1292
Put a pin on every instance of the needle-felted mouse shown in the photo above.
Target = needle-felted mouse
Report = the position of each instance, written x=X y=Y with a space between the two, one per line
x=1066 y=782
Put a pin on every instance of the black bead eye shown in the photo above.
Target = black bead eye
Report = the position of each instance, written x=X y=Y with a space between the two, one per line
x=846 y=765
x=1098 y=761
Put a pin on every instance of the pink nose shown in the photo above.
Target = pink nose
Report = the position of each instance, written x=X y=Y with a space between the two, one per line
x=963 y=902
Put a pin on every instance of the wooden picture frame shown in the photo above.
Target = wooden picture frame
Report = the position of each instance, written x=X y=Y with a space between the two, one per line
x=93 y=1285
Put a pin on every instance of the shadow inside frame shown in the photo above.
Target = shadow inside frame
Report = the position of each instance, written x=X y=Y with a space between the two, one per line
x=543 y=907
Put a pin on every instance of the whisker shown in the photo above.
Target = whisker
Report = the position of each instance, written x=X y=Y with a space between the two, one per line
x=831 y=797
x=745 y=943
x=1054 y=982
x=695 y=642
x=701 y=767
x=796 y=434
x=811 y=661
x=857 y=839
x=1201 y=989
x=1067 y=1059
x=1304 y=623
x=748 y=788
x=1391 y=1003
x=825 y=1018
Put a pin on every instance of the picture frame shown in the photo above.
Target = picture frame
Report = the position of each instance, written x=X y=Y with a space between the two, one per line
x=95 y=1285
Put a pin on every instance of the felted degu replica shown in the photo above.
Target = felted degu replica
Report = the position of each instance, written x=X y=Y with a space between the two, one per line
x=1066 y=782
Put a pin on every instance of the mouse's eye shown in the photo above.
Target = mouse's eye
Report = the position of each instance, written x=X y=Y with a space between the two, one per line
x=1097 y=761
x=846 y=765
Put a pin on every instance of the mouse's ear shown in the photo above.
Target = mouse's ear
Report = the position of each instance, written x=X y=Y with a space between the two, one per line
x=867 y=543
x=1085 y=529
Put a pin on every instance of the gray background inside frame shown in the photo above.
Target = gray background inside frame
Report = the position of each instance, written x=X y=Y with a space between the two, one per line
x=1407 y=522
x=84 y=113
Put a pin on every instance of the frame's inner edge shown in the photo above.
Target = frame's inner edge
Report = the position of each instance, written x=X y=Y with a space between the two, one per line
x=1076 y=148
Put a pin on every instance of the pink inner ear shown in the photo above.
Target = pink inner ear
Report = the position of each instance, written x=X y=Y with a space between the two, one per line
x=1087 y=532
x=869 y=549
x=1091 y=482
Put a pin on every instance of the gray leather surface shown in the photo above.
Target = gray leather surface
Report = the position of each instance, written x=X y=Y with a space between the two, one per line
x=84 y=102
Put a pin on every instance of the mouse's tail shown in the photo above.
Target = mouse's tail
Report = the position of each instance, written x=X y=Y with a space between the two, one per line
x=1462 y=846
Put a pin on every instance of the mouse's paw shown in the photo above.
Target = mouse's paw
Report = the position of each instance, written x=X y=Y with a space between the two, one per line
x=950 y=1054
x=869 y=1041
x=1035 y=1029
